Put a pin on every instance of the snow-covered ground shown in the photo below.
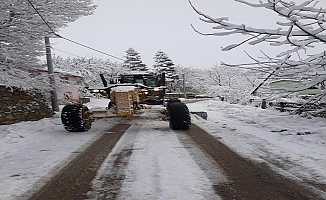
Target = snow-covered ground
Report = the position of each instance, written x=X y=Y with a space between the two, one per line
x=155 y=162
x=291 y=144
x=30 y=152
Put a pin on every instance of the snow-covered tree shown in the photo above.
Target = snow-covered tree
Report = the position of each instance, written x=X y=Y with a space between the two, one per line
x=219 y=81
x=164 y=64
x=233 y=84
x=299 y=32
x=133 y=61
x=22 y=33
x=88 y=68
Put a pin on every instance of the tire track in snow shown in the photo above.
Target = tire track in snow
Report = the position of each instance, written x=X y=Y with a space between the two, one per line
x=160 y=165
x=249 y=180
x=73 y=181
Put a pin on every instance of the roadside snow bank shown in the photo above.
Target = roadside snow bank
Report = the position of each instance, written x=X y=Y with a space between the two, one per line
x=31 y=152
x=290 y=143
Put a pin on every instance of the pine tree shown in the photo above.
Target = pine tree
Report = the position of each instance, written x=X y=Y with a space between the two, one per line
x=133 y=61
x=164 y=64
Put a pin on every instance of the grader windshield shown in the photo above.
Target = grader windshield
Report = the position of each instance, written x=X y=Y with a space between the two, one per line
x=148 y=79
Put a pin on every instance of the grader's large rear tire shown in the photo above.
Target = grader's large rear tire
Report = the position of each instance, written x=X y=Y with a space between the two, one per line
x=76 y=118
x=179 y=116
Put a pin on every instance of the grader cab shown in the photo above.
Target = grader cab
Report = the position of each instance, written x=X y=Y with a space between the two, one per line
x=128 y=93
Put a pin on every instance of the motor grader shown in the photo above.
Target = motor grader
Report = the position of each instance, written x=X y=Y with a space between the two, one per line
x=128 y=94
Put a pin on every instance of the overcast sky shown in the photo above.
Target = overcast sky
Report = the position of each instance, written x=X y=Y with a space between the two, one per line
x=151 y=25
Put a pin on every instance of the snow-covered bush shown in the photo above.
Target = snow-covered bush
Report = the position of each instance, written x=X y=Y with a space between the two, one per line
x=12 y=76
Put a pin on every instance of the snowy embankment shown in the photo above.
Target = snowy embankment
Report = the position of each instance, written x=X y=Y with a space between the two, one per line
x=31 y=152
x=293 y=145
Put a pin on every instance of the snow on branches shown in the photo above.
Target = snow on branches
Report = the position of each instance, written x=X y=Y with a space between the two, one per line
x=18 y=77
x=303 y=26
x=133 y=61
x=218 y=81
x=22 y=31
x=88 y=68
x=164 y=64
x=300 y=29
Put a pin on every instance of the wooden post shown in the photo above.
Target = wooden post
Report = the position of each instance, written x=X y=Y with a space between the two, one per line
x=264 y=104
x=54 y=97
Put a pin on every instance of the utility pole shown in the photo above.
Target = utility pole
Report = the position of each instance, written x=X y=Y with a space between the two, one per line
x=184 y=85
x=54 y=97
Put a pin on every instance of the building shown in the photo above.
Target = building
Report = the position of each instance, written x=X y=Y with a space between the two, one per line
x=68 y=85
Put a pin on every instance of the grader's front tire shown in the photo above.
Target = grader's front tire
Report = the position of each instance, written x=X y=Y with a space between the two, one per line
x=76 y=118
x=179 y=116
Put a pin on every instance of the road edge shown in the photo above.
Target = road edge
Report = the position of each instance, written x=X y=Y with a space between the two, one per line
x=259 y=169
x=70 y=172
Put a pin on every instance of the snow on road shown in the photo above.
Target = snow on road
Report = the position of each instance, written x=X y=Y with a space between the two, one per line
x=294 y=145
x=30 y=152
x=97 y=104
x=157 y=163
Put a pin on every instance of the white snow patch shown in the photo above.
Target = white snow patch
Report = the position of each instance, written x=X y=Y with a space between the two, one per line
x=30 y=152
x=289 y=142
x=124 y=88
x=97 y=103
x=160 y=166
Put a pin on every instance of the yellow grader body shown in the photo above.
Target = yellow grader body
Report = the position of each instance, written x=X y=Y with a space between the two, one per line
x=125 y=102
x=128 y=95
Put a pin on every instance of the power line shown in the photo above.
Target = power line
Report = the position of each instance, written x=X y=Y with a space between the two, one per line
x=39 y=14
x=70 y=40
x=88 y=47
x=66 y=52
